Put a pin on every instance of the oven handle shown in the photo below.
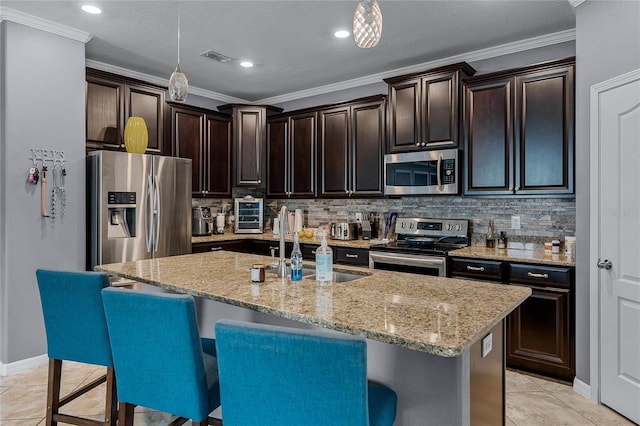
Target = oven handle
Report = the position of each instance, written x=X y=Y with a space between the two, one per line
x=405 y=260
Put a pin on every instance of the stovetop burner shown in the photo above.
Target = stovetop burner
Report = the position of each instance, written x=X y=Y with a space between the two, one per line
x=434 y=237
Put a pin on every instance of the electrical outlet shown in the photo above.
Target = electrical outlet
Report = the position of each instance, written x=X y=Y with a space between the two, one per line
x=487 y=344
x=359 y=217
x=515 y=222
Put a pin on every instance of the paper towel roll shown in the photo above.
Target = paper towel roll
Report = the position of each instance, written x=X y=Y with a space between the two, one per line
x=276 y=225
x=297 y=220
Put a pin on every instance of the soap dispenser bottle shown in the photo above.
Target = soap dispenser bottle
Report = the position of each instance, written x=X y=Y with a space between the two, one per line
x=324 y=263
x=296 y=259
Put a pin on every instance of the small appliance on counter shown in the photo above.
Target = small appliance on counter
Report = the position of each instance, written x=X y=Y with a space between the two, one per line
x=344 y=230
x=201 y=221
x=249 y=213
x=219 y=224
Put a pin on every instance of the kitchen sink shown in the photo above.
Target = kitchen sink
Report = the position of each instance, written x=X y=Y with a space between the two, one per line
x=338 y=277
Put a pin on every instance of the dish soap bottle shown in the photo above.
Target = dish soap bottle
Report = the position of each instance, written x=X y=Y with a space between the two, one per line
x=296 y=259
x=324 y=263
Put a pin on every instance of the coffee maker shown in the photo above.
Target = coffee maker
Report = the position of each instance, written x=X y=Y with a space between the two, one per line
x=201 y=221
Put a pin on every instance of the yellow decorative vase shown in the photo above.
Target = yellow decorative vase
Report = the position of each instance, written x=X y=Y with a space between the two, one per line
x=136 y=136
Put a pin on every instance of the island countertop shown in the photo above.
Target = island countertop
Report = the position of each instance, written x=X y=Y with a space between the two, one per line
x=440 y=316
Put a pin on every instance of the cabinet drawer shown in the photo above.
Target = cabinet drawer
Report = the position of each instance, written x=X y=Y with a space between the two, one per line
x=478 y=269
x=351 y=256
x=540 y=275
x=309 y=251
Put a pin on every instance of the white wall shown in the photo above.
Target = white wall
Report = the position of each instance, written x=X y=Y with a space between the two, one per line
x=607 y=45
x=42 y=94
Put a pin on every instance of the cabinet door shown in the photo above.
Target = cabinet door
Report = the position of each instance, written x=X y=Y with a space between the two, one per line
x=188 y=142
x=217 y=177
x=277 y=157
x=249 y=128
x=302 y=157
x=368 y=128
x=105 y=113
x=404 y=116
x=489 y=138
x=544 y=132
x=539 y=334
x=333 y=155
x=440 y=110
x=148 y=103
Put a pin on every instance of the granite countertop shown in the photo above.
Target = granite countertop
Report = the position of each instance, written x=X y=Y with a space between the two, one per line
x=268 y=236
x=440 y=316
x=537 y=256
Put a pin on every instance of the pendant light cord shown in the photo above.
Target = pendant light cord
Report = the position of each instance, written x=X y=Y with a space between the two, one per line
x=178 y=35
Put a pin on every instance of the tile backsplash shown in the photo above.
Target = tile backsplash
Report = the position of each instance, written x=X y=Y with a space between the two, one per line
x=541 y=219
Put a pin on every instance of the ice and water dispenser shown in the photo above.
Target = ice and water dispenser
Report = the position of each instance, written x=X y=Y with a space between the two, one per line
x=121 y=208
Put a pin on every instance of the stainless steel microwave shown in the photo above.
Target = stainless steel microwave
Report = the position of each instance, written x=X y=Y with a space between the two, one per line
x=422 y=173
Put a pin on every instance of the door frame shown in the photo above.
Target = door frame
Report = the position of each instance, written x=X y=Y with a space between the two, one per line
x=594 y=229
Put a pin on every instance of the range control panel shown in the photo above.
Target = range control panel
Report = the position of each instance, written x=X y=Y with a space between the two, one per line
x=432 y=227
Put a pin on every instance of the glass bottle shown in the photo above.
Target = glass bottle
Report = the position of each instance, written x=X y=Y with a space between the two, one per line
x=491 y=236
x=296 y=259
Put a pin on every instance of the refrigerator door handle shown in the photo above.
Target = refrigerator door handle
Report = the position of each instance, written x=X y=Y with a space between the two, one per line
x=148 y=215
x=157 y=209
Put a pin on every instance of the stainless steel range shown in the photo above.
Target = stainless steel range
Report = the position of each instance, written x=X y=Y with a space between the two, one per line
x=421 y=247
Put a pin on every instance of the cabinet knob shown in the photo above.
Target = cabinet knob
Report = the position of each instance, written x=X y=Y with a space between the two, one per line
x=517 y=188
x=121 y=145
x=353 y=256
x=216 y=248
x=259 y=180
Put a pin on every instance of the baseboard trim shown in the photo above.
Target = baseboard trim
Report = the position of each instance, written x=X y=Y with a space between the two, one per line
x=582 y=388
x=23 y=364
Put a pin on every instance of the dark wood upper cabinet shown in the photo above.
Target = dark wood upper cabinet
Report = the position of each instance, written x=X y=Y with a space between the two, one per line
x=204 y=136
x=350 y=149
x=291 y=153
x=249 y=142
x=424 y=108
x=111 y=99
x=519 y=131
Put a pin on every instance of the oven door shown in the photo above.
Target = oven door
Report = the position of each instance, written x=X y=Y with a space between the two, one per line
x=400 y=262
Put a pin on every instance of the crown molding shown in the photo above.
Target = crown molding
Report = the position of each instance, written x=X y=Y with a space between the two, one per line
x=576 y=3
x=12 y=15
x=478 y=55
x=162 y=82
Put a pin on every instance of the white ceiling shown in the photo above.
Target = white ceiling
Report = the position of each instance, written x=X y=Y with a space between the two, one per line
x=291 y=42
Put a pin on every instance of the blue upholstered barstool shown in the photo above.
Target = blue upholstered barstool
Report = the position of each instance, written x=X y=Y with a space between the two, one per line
x=281 y=376
x=76 y=331
x=159 y=358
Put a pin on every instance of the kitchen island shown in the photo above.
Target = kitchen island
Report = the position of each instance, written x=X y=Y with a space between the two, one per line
x=424 y=334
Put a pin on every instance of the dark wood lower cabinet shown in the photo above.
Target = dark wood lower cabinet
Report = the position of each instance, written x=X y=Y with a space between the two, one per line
x=233 y=245
x=540 y=333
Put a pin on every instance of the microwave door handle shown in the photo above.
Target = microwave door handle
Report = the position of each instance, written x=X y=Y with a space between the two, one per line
x=439 y=172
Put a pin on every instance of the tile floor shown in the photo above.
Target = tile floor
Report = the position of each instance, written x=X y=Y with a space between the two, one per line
x=530 y=401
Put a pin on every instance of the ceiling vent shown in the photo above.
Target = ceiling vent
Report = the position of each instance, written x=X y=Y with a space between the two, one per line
x=216 y=56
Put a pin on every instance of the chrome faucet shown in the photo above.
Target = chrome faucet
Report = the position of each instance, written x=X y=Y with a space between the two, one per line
x=284 y=225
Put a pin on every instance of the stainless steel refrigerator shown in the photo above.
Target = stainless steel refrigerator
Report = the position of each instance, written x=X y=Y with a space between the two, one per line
x=139 y=207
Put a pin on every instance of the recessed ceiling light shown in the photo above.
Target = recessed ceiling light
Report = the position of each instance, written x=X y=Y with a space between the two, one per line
x=246 y=64
x=341 y=34
x=91 y=9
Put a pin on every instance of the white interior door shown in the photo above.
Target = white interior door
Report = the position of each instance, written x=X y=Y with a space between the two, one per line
x=617 y=151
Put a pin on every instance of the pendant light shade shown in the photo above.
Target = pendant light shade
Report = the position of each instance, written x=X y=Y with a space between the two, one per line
x=178 y=83
x=367 y=24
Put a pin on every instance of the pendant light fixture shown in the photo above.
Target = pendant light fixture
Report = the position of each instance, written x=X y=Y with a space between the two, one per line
x=367 y=24
x=178 y=83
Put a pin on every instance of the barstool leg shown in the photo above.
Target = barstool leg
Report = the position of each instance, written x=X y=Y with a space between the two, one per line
x=111 y=405
x=125 y=414
x=53 y=390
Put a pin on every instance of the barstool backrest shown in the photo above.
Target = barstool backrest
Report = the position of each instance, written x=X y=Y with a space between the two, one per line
x=74 y=318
